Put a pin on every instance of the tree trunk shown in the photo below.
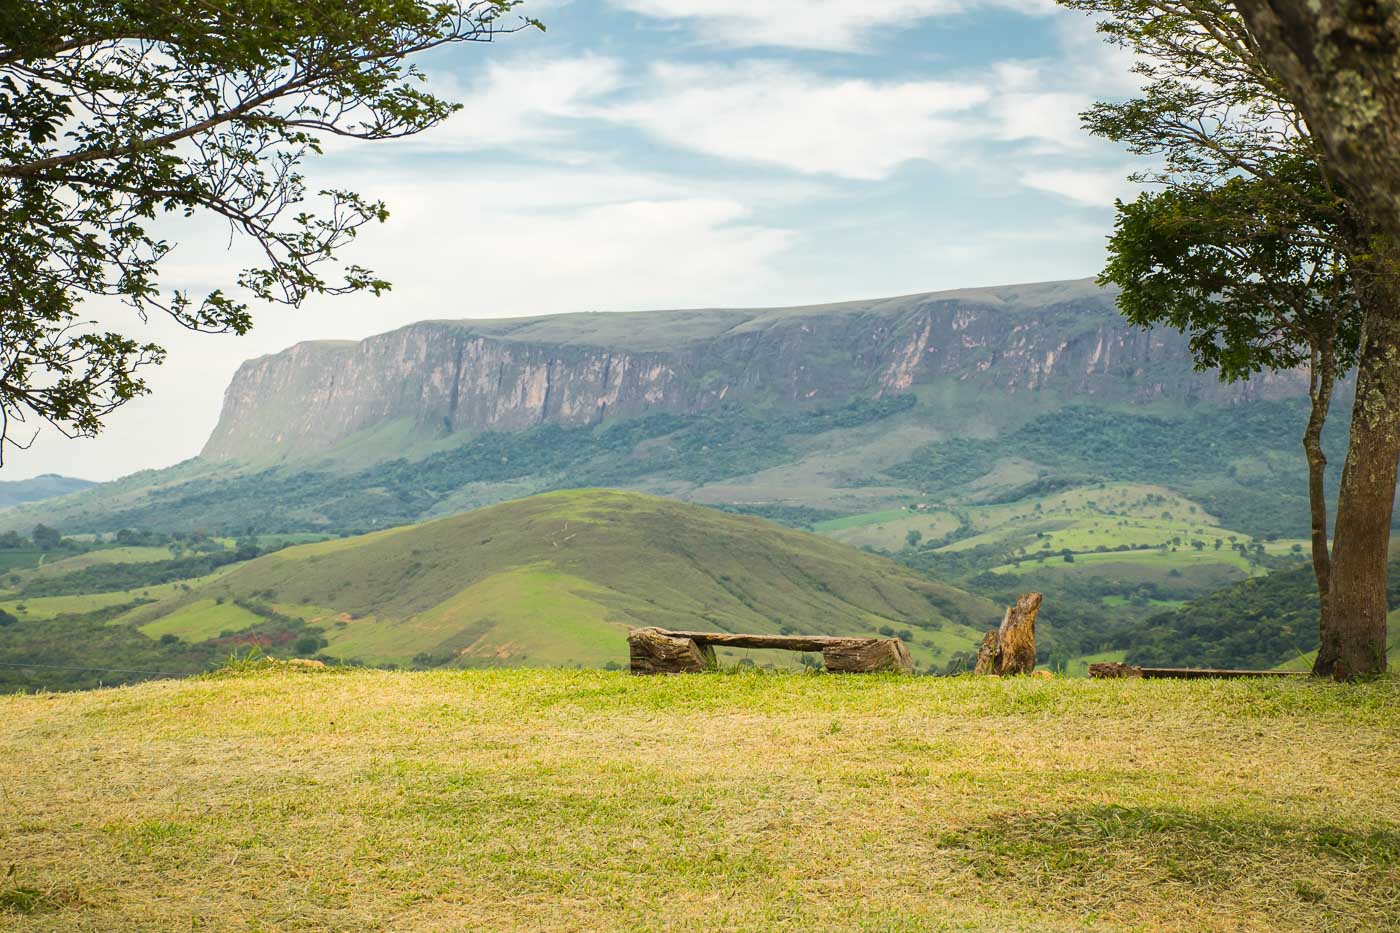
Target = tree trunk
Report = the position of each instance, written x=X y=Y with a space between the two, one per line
x=1355 y=638
x=1339 y=62
x=1322 y=380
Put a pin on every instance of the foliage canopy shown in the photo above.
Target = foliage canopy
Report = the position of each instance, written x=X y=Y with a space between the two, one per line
x=115 y=113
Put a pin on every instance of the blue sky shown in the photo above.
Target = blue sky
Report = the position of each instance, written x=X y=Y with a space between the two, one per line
x=686 y=153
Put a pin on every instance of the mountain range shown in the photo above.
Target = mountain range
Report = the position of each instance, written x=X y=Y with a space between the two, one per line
x=39 y=488
x=801 y=414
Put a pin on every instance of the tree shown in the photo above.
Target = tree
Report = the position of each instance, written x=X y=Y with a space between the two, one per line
x=913 y=538
x=1262 y=236
x=246 y=547
x=112 y=114
x=1338 y=61
x=1257 y=273
x=45 y=537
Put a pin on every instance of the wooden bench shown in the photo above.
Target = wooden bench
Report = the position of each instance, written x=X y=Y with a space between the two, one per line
x=659 y=651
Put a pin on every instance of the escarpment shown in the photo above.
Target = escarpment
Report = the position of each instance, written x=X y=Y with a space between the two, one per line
x=438 y=378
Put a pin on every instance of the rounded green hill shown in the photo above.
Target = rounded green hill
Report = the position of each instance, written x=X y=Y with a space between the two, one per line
x=557 y=579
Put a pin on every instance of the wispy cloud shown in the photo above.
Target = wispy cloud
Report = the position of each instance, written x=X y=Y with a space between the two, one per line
x=772 y=113
x=835 y=25
x=1092 y=188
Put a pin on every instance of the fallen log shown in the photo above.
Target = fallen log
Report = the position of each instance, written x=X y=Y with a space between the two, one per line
x=1010 y=649
x=1112 y=669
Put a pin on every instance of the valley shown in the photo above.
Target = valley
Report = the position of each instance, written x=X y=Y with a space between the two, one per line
x=974 y=443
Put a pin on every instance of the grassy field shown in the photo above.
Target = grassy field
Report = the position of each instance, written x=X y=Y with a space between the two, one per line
x=1124 y=533
x=1157 y=530
x=888 y=531
x=349 y=800
x=48 y=607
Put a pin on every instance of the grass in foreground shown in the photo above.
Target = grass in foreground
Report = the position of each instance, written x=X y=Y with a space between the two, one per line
x=588 y=800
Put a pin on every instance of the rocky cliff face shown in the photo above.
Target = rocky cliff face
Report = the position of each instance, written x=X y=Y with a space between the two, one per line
x=442 y=378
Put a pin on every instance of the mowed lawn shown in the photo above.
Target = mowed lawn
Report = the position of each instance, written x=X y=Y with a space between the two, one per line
x=569 y=800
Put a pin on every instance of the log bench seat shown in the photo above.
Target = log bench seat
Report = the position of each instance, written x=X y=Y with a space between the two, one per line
x=660 y=651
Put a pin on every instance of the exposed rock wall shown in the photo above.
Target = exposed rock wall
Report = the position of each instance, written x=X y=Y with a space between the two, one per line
x=448 y=377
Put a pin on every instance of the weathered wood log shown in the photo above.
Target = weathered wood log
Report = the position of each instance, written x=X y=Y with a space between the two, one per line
x=1106 y=670
x=1114 y=669
x=987 y=654
x=655 y=652
x=785 y=642
x=661 y=651
x=1016 y=637
x=866 y=656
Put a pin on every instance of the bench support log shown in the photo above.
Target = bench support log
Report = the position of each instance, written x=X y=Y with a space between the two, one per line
x=1010 y=649
x=654 y=652
x=867 y=657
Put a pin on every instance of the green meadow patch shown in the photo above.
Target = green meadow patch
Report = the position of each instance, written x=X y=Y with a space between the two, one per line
x=282 y=797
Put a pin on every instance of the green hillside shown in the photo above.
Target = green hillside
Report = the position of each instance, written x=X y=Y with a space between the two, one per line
x=557 y=579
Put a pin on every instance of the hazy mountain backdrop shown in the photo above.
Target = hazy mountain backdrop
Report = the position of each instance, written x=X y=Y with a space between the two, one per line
x=802 y=414
x=991 y=440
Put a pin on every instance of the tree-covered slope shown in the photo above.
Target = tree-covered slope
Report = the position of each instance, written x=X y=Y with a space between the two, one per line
x=1265 y=622
x=557 y=579
x=47 y=486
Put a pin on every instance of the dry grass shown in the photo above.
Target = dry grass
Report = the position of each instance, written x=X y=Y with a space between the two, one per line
x=589 y=800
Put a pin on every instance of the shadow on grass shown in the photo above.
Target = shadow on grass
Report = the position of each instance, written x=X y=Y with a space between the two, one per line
x=1097 y=858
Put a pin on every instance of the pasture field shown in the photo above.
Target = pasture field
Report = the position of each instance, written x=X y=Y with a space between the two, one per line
x=287 y=798
x=48 y=607
x=1123 y=533
x=891 y=531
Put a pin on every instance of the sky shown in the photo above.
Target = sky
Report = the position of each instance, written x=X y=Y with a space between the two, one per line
x=681 y=153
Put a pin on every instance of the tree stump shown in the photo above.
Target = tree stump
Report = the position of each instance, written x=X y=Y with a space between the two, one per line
x=1010 y=649
x=866 y=656
x=655 y=653
x=987 y=654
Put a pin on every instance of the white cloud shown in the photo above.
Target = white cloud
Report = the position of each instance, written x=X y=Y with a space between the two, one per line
x=503 y=242
x=1091 y=188
x=836 y=25
x=772 y=113
x=524 y=101
x=1049 y=119
x=483 y=229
